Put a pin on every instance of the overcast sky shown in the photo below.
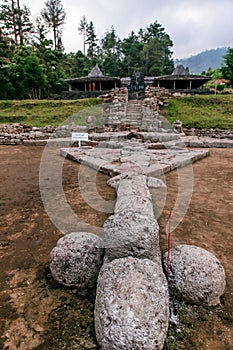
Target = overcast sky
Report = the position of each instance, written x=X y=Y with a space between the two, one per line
x=193 y=25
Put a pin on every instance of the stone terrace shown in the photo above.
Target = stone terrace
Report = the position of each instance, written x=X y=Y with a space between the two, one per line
x=115 y=157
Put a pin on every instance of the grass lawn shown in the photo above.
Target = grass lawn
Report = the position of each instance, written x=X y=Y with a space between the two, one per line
x=49 y=112
x=201 y=111
x=209 y=111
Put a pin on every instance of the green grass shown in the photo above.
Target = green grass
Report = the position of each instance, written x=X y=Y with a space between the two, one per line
x=209 y=111
x=49 y=112
x=201 y=111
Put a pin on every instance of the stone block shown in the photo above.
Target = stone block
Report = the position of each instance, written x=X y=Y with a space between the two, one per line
x=132 y=305
x=129 y=233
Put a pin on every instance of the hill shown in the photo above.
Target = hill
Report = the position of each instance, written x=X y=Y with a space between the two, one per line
x=204 y=60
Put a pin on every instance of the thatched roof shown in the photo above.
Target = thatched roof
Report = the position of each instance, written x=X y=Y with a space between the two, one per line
x=94 y=75
x=180 y=70
x=180 y=79
x=180 y=73
x=95 y=72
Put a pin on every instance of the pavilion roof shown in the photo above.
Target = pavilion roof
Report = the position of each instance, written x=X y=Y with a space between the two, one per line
x=94 y=75
x=180 y=70
x=95 y=72
x=180 y=73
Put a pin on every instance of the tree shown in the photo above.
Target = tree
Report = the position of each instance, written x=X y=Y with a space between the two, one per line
x=83 y=29
x=41 y=30
x=227 y=69
x=6 y=50
x=91 y=40
x=54 y=16
x=156 y=50
x=7 y=88
x=16 y=21
x=25 y=74
x=110 y=52
x=109 y=42
x=131 y=49
x=52 y=63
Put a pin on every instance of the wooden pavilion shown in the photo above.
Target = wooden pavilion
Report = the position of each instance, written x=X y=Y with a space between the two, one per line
x=180 y=79
x=94 y=81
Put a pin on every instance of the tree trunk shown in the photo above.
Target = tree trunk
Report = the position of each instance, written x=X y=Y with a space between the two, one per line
x=21 y=41
x=14 y=22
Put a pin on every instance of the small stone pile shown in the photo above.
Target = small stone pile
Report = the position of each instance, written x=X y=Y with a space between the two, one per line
x=156 y=97
x=16 y=134
x=117 y=95
x=16 y=128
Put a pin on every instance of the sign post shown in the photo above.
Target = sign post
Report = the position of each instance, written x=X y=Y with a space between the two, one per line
x=79 y=136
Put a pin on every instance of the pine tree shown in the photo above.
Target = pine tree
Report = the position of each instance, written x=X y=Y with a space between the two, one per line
x=131 y=49
x=91 y=40
x=6 y=50
x=83 y=30
x=156 y=50
x=41 y=30
x=54 y=16
x=16 y=21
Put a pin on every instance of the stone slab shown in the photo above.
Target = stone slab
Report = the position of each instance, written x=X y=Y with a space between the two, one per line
x=134 y=157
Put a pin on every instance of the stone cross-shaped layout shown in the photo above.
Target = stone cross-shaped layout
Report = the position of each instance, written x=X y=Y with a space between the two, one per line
x=132 y=295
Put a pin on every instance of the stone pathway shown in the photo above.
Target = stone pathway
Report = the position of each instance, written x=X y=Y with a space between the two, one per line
x=117 y=157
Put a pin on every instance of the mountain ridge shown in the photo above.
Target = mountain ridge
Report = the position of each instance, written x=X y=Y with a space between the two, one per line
x=213 y=58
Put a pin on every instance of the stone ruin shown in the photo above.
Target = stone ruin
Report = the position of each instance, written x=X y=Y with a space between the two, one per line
x=119 y=114
x=126 y=268
x=122 y=113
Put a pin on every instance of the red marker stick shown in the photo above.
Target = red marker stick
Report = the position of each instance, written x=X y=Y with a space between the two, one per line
x=168 y=244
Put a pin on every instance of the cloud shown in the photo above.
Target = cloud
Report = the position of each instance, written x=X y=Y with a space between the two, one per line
x=193 y=25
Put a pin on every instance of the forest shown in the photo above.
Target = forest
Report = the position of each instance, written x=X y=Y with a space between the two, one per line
x=34 y=66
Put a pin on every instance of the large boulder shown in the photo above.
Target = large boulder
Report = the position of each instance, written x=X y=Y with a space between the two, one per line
x=77 y=259
x=132 y=305
x=128 y=233
x=196 y=275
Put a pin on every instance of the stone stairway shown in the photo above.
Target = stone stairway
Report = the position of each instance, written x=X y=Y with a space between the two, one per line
x=140 y=116
x=133 y=113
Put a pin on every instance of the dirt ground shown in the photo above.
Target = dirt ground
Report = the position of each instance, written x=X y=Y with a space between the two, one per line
x=37 y=313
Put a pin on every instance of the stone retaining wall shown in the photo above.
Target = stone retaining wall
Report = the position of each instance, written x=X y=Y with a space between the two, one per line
x=15 y=134
x=213 y=133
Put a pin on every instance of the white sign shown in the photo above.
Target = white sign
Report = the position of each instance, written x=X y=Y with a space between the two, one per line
x=79 y=136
